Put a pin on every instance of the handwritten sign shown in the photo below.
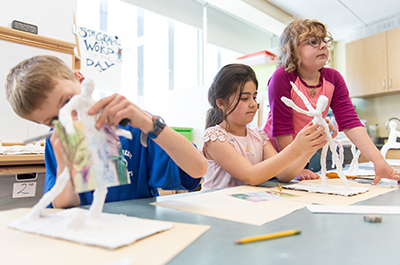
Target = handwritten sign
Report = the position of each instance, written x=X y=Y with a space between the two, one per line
x=24 y=189
x=101 y=58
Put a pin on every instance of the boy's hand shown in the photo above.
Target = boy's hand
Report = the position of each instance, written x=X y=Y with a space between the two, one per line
x=311 y=138
x=115 y=108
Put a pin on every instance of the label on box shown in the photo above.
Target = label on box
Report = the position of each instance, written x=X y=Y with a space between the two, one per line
x=24 y=189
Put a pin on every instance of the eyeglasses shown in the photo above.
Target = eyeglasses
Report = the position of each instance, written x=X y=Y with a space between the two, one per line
x=316 y=42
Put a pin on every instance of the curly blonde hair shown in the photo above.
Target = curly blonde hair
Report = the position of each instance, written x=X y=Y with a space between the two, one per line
x=29 y=82
x=294 y=33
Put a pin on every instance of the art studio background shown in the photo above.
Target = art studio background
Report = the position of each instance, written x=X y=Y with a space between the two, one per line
x=169 y=51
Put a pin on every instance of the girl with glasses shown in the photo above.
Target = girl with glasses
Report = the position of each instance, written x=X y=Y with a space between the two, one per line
x=303 y=54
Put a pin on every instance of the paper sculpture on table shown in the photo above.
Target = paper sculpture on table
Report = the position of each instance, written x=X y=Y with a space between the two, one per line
x=354 y=169
x=94 y=161
x=392 y=139
x=322 y=103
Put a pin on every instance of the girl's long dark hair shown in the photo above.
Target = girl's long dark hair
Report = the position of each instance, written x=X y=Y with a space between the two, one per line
x=227 y=85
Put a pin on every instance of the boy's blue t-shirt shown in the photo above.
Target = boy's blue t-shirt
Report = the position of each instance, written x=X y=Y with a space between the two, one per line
x=149 y=168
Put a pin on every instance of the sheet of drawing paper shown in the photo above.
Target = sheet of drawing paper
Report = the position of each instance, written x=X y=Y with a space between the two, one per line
x=94 y=157
x=221 y=204
x=329 y=199
x=354 y=209
x=27 y=248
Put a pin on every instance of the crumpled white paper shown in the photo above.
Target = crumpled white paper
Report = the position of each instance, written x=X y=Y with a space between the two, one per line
x=22 y=149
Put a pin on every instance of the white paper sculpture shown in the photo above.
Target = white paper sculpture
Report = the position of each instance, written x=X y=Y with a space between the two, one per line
x=392 y=139
x=322 y=103
x=96 y=161
x=354 y=169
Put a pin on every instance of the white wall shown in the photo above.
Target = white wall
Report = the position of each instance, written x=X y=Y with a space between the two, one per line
x=54 y=19
x=182 y=108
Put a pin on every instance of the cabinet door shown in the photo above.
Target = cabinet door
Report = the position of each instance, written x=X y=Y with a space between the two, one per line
x=393 y=46
x=366 y=66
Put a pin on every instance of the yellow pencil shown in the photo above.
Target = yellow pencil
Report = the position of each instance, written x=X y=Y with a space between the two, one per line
x=279 y=187
x=267 y=236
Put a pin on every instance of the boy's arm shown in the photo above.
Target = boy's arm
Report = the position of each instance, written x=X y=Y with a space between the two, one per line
x=183 y=153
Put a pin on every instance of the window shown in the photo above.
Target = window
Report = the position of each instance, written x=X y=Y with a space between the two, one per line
x=158 y=53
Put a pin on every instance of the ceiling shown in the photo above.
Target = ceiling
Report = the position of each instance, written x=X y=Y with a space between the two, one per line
x=343 y=17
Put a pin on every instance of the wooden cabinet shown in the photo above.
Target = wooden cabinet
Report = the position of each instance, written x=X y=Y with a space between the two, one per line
x=393 y=46
x=372 y=65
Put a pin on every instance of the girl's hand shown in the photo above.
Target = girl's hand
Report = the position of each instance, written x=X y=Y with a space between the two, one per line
x=335 y=132
x=311 y=138
x=115 y=108
x=384 y=170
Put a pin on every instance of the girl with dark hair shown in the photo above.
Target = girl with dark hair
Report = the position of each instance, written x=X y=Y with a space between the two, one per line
x=237 y=154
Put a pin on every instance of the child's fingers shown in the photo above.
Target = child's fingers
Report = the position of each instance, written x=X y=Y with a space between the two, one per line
x=309 y=128
x=100 y=105
x=334 y=134
x=319 y=133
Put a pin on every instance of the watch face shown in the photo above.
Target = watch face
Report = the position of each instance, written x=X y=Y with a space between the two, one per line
x=159 y=125
x=159 y=120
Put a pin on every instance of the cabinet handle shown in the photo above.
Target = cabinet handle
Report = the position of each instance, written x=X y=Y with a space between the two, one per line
x=383 y=84
x=390 y=82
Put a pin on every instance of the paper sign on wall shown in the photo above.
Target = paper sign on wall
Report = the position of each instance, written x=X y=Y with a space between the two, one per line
x=101 y=58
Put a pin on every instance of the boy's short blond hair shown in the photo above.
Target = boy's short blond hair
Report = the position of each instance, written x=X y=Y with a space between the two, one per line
x=29 y=82
x=294 y=33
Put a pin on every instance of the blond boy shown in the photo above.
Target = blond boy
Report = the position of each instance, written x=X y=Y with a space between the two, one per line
x=38 y=87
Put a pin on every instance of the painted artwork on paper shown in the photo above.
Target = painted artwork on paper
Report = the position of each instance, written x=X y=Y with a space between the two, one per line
x=263 y=196
x=81 y=161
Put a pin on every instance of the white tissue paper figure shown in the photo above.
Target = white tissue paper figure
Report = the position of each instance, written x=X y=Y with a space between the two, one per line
x=318 y=119
x=392 y=139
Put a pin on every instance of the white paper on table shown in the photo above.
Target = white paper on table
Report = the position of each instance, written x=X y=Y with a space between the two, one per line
x=221 y=204
x=360 y=172
x=354 y=209
x=108 y=231
x=27 y=248
x=391 y=162
x=327 y=189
